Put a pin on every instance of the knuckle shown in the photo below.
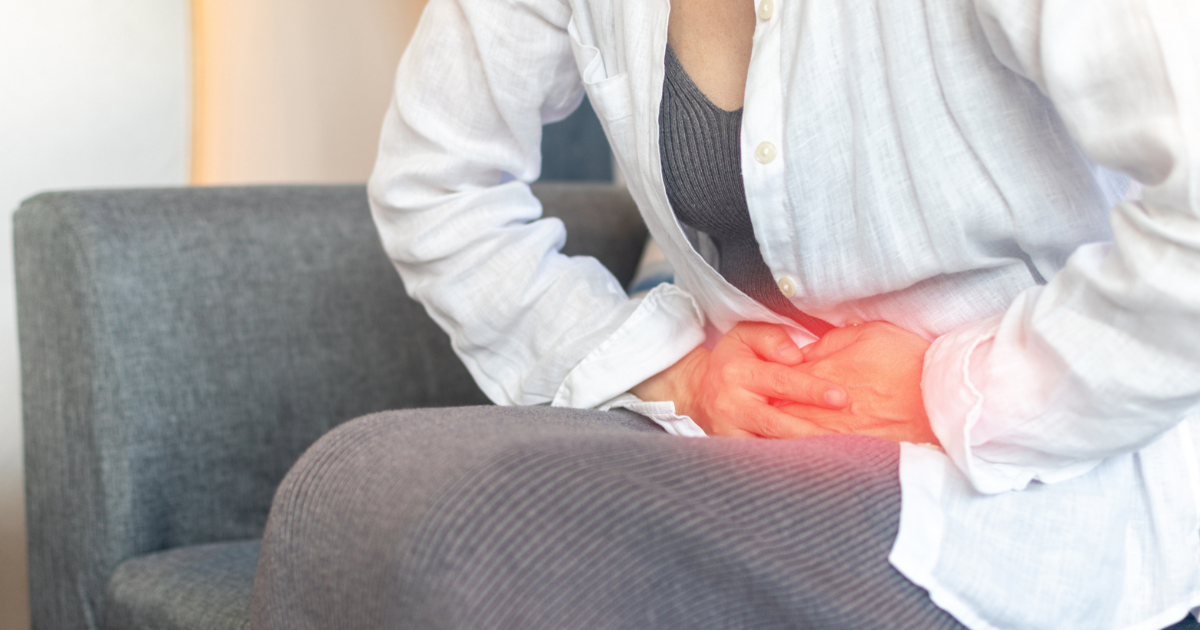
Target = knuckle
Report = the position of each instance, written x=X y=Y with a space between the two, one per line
x=787 y=384
x=779 y=383
x=730 y=372
x=767 y=426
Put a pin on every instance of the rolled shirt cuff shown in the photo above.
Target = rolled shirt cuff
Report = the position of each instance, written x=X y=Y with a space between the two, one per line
x=662 y=412
x=664 y=327
x=955 y=406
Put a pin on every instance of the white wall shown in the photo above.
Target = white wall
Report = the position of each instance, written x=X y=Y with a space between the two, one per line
x=93 y=93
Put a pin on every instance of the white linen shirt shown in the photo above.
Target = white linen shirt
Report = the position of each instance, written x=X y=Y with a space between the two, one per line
x=960 y=169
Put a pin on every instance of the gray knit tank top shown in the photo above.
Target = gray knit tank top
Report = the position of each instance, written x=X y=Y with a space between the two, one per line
x=700 y=149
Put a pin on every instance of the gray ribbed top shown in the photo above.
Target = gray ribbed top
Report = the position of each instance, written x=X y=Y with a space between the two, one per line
x=700 y=148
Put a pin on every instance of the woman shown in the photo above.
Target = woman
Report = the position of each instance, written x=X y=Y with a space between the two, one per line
x=964 y=177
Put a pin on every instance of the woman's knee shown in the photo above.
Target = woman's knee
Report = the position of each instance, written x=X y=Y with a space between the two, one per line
x=334 y=535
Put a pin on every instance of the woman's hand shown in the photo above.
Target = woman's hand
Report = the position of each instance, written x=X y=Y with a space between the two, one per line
x=880 y=367
x=734 y=389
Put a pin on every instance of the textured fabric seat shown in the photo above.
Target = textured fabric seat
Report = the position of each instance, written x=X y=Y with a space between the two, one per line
x=192 y=588
x=180 y=348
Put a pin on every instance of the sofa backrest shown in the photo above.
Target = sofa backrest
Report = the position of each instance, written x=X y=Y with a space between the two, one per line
x=180 y=348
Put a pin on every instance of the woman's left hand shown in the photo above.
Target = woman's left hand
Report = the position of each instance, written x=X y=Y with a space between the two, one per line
x=879 y=365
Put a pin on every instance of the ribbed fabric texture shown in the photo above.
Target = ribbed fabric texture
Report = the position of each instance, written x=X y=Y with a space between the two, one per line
x=700 y=148
x=558 y=518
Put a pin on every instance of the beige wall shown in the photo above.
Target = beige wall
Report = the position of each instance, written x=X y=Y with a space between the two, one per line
x=293 y=90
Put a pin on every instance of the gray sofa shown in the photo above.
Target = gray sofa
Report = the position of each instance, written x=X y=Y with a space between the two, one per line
x=180 y=348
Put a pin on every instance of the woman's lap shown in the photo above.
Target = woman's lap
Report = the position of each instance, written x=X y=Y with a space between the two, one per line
x=493 y=517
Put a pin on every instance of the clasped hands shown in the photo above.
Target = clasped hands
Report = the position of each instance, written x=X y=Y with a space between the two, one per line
x=756 y=382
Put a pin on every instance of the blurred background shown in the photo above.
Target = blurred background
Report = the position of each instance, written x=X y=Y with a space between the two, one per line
x=133 y=93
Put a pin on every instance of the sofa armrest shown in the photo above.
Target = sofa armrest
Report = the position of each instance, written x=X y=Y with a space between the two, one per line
x=180 y=348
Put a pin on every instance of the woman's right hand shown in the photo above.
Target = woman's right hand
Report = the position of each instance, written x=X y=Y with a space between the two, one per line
x=732 y=390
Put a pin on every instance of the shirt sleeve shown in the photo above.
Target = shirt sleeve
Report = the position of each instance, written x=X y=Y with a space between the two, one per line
x=1106 y=356
x=450 y=197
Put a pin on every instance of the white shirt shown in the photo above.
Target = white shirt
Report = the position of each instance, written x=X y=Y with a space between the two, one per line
x=958 y=168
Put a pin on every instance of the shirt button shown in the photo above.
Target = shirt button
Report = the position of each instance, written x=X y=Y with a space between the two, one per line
x=787 y=286
x=765 y=152
x=766 y=9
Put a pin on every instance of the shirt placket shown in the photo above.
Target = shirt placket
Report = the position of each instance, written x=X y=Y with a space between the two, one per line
x=763 y=157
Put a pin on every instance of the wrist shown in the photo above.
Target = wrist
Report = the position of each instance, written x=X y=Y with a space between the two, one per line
x=677 y=382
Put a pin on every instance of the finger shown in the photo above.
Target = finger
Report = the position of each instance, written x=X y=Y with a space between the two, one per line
x=835 y=340
x=769 y=342
x=768 y=422
x=914 y=431
x=792 y=385
x=836 y=421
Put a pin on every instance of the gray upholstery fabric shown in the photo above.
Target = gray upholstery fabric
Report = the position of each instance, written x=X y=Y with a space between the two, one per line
x=560 y=519
x=181 y=347
x=576 y=149
x=205 y=587
x=601 y=220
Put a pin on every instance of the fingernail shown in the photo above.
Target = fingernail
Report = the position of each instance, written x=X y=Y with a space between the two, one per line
x=835 y=398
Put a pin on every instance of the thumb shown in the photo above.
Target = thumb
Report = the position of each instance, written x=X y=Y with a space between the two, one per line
x=769 y=342
x=834 y=341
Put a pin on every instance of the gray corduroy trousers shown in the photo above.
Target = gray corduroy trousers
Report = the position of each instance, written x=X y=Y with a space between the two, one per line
x=491 y=517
